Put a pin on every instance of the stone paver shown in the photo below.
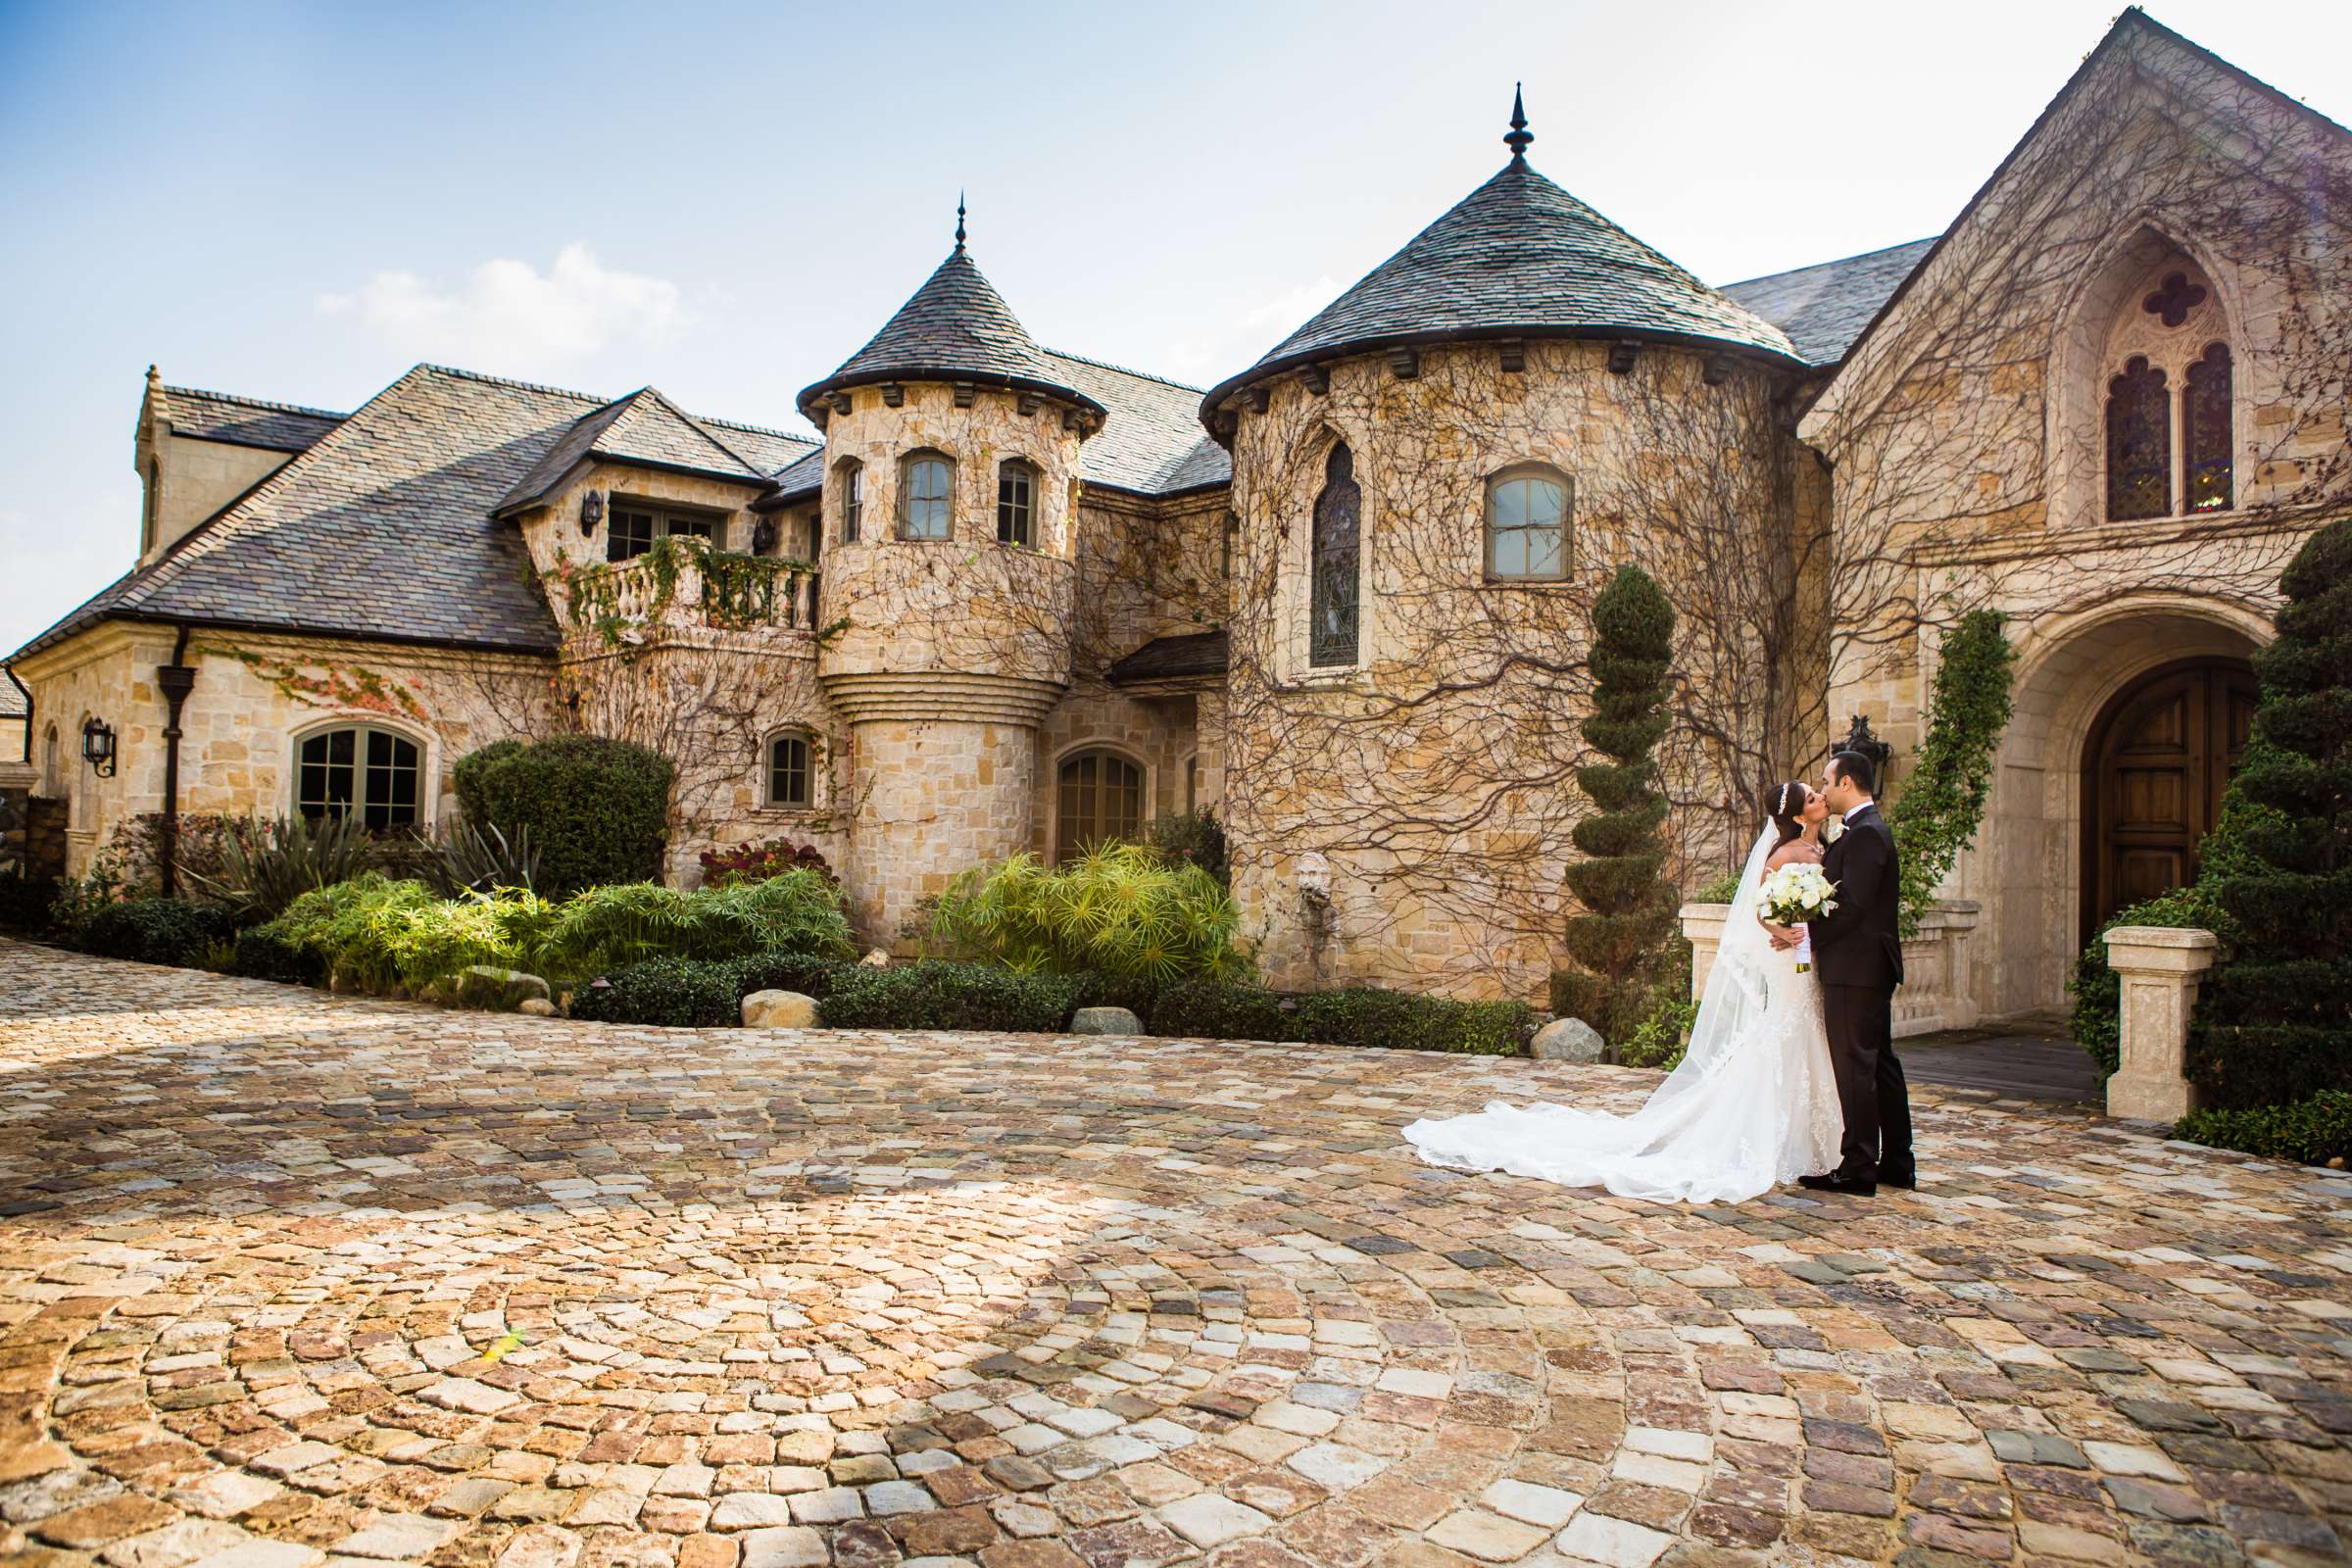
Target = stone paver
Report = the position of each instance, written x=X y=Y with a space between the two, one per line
x=289 y=1278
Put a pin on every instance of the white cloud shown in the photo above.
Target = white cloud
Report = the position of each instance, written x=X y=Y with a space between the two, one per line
x=1245 y=338
x=509 y=316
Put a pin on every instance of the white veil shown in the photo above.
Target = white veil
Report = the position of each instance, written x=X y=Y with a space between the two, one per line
x=1732 y=1003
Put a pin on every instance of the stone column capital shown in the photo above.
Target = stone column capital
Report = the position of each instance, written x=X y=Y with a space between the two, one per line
x=2160 y=949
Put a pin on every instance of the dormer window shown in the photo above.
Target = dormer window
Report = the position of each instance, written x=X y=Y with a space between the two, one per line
x=634 y=528
x=1016 y=497
x=926 y=481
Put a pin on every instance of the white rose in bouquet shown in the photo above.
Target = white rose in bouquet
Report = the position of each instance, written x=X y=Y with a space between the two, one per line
x=1794 y=895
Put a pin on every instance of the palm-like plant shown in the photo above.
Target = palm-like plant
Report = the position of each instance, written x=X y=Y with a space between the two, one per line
x=1119 y=910
x=481 y=859
x=265 y=865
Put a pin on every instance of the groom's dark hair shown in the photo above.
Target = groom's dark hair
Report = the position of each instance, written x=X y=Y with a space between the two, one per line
x=1854 y=768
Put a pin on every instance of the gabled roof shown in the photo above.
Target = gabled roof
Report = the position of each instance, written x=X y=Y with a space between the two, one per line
x=2130 y=28
x=1823 y=308
x=955 y=328
x=382 y=530
x=240 y=420
x=1519 y=257
x=796 y=481
x=644 y=428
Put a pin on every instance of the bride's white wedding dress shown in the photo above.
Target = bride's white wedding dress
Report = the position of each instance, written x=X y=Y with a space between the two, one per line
x=1753 y=1103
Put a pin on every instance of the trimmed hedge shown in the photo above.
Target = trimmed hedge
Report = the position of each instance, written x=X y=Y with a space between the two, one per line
x=596 y=810
x=938 y=994
x=262 y=954
x=2314 y=1130
x=699 y=993
x=1362 y=1016
x=169 y=931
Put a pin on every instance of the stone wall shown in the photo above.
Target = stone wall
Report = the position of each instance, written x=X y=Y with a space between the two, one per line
x=936 y=797
x=1967 y=439
x=254 y=696
x=195 y=479
x=1436 y=776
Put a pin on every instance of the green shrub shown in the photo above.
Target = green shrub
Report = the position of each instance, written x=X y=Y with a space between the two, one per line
x=1942 y=803
x=260 y=868
x=682 y=993
x=596 y=809
x=607 y=927
x=1723 y=890
x=2314 y=1130
x=170 y=931
x=377 y=934
x=809 y=973
x=1191 y=838
x=1363 y=1015
x=1616 y=943
x=938 y=995
x=1117 y=910
x=2274 y=1025
x=260 y=955
x=1661 y=1038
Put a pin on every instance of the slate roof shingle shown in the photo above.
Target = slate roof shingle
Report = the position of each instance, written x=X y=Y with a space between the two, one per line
x=13 y=705
x=1152 y=443
x=956 y=326
x=244 y=421
x=1200 y=653
x=1518 y=257
x=1824 y=308
x=643 y=428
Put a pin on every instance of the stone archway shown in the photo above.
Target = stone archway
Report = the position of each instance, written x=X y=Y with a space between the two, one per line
x=2030 y=867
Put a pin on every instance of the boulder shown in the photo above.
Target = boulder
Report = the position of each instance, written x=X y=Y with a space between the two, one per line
x=779 y=1009
x=537 y=1007
x=1105 y=1021
x=877 y=958
x=498 y=990
x=1567 y=1040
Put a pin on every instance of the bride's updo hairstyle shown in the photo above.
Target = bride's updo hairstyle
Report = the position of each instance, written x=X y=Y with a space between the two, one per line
x=1788 y=810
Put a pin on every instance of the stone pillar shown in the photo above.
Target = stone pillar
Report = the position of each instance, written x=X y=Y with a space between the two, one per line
x=1702 y=924
x=2160 y=967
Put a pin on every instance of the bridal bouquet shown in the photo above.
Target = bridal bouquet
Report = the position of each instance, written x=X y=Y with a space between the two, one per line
x=1796 y=894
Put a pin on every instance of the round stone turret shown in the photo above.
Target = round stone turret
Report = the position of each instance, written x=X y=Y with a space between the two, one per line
x=950 y=502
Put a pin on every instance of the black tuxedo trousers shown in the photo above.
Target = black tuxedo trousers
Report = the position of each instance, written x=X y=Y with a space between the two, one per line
x=1871 y=1092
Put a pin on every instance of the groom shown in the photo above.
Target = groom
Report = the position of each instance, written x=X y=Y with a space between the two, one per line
x=1858 y=952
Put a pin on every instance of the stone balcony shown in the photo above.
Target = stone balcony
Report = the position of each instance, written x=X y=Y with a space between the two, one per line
x=1935 y=994
x=687 y=594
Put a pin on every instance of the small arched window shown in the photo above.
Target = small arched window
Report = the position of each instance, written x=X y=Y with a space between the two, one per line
x=848 y=487
x=791 y=779
x=358 y=768
x=1527 y=523
x=1334 y=558
x=2139 y=444
x=53 y=765
x=1101 y=801
x=926 y=481
x=2206 y=438
x=1017 y=503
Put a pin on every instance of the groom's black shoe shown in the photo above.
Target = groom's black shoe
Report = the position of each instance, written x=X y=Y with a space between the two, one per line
x=1857 y=1186
x=1908 y=1181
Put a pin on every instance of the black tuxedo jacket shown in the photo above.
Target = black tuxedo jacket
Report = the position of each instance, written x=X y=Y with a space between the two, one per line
x=1860 y=942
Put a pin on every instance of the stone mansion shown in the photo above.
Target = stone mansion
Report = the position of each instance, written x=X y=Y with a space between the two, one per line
x=1016 y=599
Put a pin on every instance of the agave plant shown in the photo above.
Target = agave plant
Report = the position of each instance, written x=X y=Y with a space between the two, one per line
x=266 y=864
x=481 y=859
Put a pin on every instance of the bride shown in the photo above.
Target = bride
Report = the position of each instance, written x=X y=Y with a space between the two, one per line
x=1754 y=1101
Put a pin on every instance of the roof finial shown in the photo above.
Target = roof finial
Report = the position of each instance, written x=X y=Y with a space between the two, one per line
x=960 y=221
x=1519 y=135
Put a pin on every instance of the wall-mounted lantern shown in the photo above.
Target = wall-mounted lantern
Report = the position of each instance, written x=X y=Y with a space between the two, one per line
x=98 y=746
x=592 y=512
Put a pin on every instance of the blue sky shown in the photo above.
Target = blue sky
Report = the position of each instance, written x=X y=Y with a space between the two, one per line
x=724 y=201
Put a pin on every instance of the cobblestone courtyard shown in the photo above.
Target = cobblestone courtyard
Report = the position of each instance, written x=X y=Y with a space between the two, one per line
x=294 y=1279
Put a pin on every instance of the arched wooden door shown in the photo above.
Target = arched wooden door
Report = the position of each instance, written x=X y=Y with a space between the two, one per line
x=2158 y=759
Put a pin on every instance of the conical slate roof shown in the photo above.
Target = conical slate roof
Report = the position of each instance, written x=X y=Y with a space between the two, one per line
x=1519 y=257
x=955 y=328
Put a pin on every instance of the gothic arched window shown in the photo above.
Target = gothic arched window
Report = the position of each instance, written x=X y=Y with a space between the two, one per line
x=1335 y=577
x=2139 y=464
x=1101 y=801
x=2205 y=434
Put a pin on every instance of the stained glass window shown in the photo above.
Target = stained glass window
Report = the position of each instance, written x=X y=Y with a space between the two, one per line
x=2205 y=434
x=1337 y=549
x=1016 y=486
x=1527 y=525
x=925 y=513
x=1102 y=801
x=358 y=768
x=2139 y=443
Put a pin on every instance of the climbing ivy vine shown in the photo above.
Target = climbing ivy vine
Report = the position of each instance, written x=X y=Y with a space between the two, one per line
x=1943 y=803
